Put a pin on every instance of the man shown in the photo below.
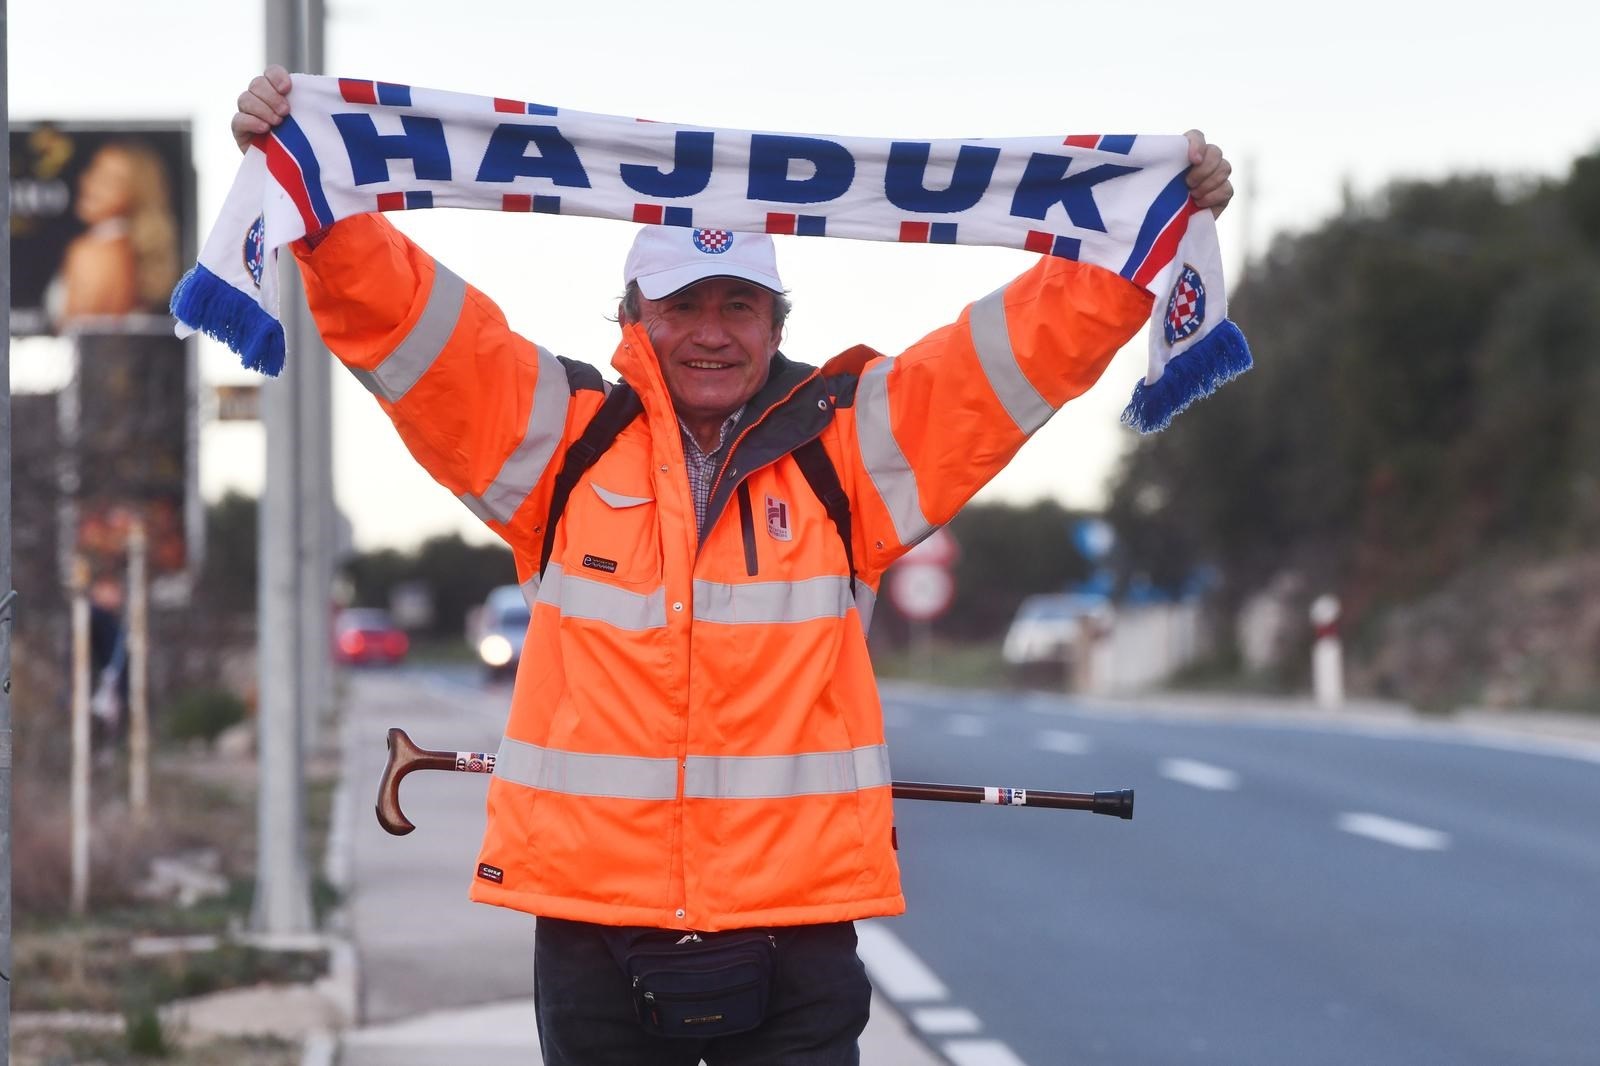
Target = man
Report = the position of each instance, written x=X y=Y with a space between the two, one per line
x=695 y=742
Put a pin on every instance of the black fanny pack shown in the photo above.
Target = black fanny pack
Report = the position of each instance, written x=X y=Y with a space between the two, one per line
x=697 y=984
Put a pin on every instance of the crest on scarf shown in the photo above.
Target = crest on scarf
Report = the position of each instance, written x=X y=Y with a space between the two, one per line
x=713 y=241
x=1186 y=309
x=778 y=520
x=255 y=248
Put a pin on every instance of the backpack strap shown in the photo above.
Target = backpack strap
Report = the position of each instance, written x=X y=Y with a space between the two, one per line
x=621 y=406
x=823 y=478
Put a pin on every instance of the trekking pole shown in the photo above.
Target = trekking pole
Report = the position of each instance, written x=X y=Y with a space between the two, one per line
x=405 y=756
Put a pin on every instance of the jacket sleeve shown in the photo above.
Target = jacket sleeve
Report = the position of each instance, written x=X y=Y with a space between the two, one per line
x=486 y=412
x=934 y=425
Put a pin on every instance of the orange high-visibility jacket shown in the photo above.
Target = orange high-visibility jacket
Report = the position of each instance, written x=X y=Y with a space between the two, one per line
x=695 y=739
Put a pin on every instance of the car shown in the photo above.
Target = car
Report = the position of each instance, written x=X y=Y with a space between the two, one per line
x=367 y=635
x=502 y=623
x=1048 y=626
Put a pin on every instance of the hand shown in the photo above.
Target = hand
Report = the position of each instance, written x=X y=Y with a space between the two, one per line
x=1208 y=174
x=262 y=105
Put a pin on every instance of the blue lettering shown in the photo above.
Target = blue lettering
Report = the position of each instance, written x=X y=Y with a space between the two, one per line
x=690 y=174
x=422 y=142
x=507 y=158
x=904 y=183
x=770 y=155
x=1044 y=185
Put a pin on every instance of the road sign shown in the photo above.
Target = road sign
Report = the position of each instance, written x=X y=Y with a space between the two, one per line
x=920 y=591
x=939 y=549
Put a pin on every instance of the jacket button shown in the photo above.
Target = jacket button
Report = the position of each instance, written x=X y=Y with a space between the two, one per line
x=677 y=605
x=663 y=468
x=679 y=912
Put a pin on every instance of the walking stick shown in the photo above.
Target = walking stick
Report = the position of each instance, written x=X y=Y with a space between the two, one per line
x=405 y=756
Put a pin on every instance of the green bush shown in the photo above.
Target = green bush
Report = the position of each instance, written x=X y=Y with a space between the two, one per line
x=201 y=714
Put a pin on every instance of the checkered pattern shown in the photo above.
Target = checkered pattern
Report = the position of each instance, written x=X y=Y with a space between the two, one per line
x=703 y=465
x=712 y=241
x=1187 y=307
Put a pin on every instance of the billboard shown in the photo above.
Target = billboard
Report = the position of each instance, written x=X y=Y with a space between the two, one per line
x=101 y=225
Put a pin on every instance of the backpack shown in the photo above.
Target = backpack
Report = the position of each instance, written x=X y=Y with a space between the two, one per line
x=621 y=407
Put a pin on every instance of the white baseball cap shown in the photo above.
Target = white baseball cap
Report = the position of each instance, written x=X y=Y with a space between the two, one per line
x=665 y=259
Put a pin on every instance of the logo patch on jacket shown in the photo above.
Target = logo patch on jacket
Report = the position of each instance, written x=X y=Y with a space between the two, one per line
x=1186 y=307
x=491 y=873
x=594 y=562
x=778 y=520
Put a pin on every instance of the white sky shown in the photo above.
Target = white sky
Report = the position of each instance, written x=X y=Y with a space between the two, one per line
x=1304 y=99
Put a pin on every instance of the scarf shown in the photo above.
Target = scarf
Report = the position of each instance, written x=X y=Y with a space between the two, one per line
x=1118 y=202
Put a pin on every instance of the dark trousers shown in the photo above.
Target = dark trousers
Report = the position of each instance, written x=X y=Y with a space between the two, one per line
x=819 y=1005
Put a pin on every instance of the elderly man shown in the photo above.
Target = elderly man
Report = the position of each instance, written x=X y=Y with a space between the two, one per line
x=693 y=793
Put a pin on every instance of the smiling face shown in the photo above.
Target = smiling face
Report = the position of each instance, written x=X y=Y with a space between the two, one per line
x=715 y=341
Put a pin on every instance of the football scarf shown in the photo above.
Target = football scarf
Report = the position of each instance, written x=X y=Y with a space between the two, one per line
x=1118 y=202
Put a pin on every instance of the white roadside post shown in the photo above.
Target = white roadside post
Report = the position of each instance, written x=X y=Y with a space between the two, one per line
x=78 y=897
x=1327 y=654
x=138 y=623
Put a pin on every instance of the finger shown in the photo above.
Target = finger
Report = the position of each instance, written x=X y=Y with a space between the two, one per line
x=255 y=107
x=1197 y=145
x=1206 y=170
x=278 y=77
x=1213 y=178
x=263 y=89
x=247 y=128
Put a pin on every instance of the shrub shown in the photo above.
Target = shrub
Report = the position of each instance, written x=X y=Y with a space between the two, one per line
x=201 y=714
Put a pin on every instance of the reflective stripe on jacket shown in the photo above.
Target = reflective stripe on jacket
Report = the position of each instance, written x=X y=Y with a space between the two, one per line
x=695 y=738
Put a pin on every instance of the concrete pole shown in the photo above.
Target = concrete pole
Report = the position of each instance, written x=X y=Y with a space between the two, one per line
x=283 y=899
x=7 y=594
x=138 y=621
x=78 y=776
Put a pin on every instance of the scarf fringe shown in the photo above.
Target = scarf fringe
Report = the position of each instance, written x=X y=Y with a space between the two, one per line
x=1202 y=369
x=205 y=302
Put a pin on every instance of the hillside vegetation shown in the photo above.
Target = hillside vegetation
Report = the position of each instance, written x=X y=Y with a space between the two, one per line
x=1419 y=436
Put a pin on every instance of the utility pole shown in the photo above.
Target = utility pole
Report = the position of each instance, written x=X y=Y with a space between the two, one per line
x=8 y=595
x=136 y=624
x=294 y=594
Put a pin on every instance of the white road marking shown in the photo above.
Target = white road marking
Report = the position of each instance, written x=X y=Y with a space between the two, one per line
x=945 y=1021
x=980 y=1053
x=1391 y=831
x=1059 y=740
x=966 y=725
x=897 y=972
x=1199 y=774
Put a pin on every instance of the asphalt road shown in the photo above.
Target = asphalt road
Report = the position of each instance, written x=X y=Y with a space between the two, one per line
x=1287 y=892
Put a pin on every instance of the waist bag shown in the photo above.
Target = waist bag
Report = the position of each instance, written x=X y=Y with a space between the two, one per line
x=697 y=984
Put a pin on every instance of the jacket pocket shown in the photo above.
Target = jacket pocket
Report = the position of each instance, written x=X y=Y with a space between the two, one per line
x=611 y=536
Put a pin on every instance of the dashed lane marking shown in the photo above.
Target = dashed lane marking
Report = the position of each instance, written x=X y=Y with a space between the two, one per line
x=1063 y=742
x=966 y=725
x=898 y=973
x=1392 y=831
x=980 y=1053
x=945 y=1021
x=1199 y=774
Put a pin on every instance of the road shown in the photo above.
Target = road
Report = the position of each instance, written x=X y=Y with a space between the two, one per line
x=1286 y=893
x=1290 y=891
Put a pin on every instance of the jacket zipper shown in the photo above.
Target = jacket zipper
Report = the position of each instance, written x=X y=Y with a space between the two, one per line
x=747 y=522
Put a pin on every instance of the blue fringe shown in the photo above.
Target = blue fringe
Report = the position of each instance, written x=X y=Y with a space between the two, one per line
x=1213 y=361
x=205 y=302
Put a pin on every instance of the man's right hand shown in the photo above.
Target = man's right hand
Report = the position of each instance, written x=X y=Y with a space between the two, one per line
x=262 y=106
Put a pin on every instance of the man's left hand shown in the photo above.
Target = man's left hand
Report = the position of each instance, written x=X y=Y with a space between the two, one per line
x=1208 y=174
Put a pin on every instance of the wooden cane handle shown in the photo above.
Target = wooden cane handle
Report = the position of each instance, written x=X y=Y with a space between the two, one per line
x=404 y=757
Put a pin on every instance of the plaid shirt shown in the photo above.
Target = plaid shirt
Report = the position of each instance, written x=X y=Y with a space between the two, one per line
x=703 y=465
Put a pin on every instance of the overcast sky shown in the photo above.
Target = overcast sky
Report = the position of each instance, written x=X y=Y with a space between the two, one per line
x=1305 y=100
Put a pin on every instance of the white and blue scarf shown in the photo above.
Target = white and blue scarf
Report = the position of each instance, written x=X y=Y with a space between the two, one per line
x=351 y=146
